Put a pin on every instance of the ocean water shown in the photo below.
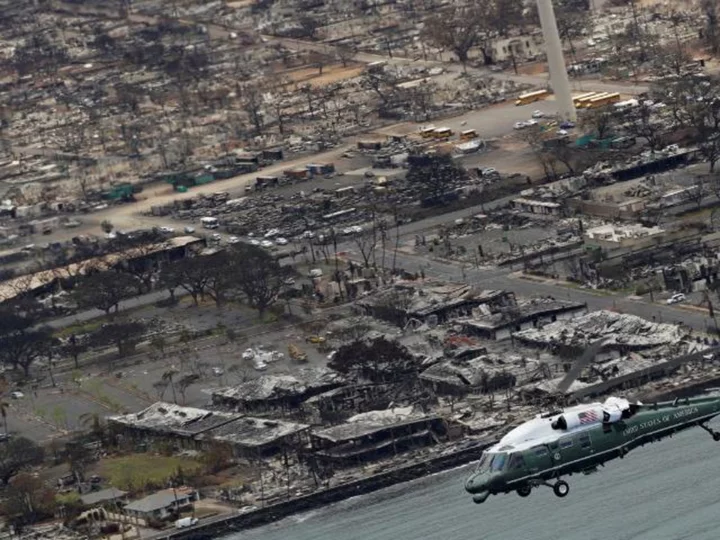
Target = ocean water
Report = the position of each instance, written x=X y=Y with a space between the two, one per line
x=669 y=490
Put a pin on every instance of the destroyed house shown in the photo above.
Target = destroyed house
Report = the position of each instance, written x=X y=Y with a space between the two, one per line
x=620 y=332
x=199 y=428
x=170 y=422
x=428 y=302
x=373 y=435
x=482 y=374
x=346 y=401
x=526 y=314
x=277 y=392
x=256 y=437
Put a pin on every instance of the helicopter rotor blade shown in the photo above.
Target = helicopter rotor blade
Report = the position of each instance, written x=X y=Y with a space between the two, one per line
x=578 y=365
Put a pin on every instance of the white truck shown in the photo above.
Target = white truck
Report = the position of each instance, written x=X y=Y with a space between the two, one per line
x=182 y=523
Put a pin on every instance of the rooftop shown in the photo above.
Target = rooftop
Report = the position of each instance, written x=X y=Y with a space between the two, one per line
x=270 y=387
x=524 y=309
x=162 y=499
x=170 y=418
x=13 y=287
x=614 y=328
x=104 y=495
x=252 y=432
x=371 y=422
x=616 y=233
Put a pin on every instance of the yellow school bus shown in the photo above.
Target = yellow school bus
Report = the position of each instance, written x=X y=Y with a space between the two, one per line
x=603 y=100
x=468 y=135
x=442 y=133
x=531 y=97
x=584 y=97
x=583 y=103
x=427 y=132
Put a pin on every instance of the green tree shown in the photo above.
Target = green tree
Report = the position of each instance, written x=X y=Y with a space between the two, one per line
x=436 y=175
x=19 y=454
x=105 y=291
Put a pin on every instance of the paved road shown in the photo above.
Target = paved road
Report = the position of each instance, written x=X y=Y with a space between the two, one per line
x=664 y=491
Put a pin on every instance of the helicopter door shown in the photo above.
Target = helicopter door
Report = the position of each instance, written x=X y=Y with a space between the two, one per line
x=539 y=459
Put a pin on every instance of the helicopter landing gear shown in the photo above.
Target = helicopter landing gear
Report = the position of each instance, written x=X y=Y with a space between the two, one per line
x=525 y=490
x=715 y=434
x=561 y=488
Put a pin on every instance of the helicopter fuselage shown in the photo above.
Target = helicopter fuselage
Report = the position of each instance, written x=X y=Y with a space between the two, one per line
x=579 y=439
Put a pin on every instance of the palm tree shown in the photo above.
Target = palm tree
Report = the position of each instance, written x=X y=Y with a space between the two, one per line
x=168 y=376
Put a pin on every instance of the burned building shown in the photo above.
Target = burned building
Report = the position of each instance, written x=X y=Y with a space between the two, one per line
x=429 y=301
x=199 y=429
x=254 y=438
x=347 y=400
x=372 y=435
x=277 y=392
x=170 y=422
x=527 y=313
x=487 y=372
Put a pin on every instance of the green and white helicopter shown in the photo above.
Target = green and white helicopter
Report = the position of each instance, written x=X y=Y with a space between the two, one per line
x=578 y=439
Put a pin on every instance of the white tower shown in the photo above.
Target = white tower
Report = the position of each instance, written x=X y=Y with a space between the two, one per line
x=556 y=62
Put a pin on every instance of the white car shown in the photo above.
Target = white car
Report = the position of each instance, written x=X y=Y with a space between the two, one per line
x=254 y=242
x=308 y=234
x=189 y=230
x=271 y=233
x=520 y=125
x=489 y=171
x=259 y=365
x=17 y=395
x=248 y=354
x=215 y=237
x=676 y=298
x=233 y=240
x=355 y=229
x=531 y=122
x=266 y=244
x=280 y=241
x=167 y=230
x=217 y=371
x=538 y=114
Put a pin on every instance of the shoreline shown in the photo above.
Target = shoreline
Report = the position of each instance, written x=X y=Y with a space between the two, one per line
x=225 y=525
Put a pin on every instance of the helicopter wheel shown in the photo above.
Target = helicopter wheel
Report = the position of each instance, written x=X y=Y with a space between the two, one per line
x=561 y=488
x=524 y=491
x=716 y=437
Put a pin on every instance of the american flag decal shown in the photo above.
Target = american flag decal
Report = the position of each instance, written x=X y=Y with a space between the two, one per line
x=588 y=417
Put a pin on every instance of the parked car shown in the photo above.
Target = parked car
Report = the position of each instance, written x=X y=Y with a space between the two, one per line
x=266 y=244
x=189 y=230
x=17 y=395
x=538 y=114
x=489 y=171
x=167 y=230
x=281 y=241
x=249 y=354
x=676 y=298
x=233 y=240
x=520 y=125
x=271 y=233
x=217 y=371
x=531 y=122
x=567 y=124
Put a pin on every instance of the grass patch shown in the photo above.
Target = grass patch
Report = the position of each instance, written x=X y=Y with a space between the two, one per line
x=86 y=327
x=138 y=471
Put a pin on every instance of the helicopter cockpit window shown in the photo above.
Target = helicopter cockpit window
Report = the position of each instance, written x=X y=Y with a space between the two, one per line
x=498 y=462
x=517 y=461
x=483 y=463
x=541 y=451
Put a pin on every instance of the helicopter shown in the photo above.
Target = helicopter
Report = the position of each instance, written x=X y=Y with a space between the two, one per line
x=581 y=438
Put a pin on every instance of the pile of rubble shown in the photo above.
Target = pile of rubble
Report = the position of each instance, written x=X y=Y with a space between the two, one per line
x=617 y=330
